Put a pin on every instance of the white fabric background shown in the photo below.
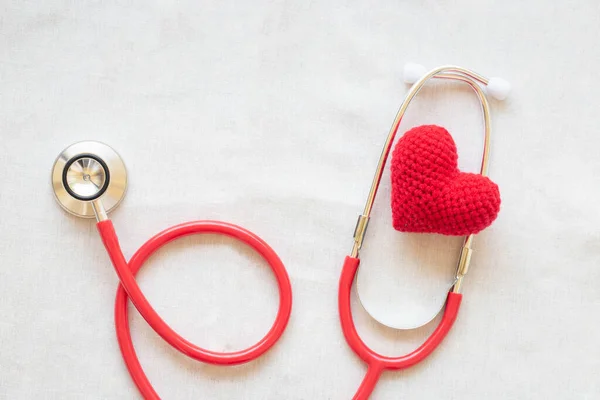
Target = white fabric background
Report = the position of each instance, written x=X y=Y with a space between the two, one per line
x=271 y=115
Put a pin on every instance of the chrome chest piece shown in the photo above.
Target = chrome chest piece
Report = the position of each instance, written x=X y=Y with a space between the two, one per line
x=89 y=178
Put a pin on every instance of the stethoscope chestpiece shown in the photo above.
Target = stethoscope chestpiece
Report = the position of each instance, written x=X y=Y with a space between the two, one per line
x=87 y=177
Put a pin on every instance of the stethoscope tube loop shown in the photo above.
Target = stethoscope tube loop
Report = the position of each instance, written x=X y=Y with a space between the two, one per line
x=129 y=289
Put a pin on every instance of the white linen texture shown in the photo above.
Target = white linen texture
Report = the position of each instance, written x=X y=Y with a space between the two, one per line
x=271 y=114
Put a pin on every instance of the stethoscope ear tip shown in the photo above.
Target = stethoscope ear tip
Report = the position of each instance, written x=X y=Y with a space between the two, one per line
x=413 y=72
x=86 y=173
x=498 y=88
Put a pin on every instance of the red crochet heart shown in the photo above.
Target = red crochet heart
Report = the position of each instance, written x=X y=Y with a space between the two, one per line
x=430 y=194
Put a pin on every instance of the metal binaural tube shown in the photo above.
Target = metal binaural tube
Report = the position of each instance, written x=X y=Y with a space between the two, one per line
x=443 y=72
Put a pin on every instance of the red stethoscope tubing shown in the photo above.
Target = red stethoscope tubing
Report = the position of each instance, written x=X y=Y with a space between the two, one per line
x=129 y=289
x=376 y=362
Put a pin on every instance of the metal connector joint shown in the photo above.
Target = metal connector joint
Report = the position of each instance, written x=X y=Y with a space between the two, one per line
x=462 y=268
x=99 y=210
x=464 y=261
x=361 y=228
x=359 y=233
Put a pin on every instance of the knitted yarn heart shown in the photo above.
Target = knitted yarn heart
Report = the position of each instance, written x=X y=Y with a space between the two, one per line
x=430 y=194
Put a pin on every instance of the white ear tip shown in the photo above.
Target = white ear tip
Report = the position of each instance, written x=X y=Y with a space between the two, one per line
x=413 y=72
x=498 y=88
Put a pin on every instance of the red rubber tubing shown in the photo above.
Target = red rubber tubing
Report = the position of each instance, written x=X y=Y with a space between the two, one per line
x=129 y=289
x=378 y=363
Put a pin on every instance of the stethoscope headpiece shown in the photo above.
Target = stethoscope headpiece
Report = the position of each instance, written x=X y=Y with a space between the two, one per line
x=87 y=176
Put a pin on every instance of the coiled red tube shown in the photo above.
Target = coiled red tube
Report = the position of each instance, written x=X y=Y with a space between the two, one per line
x=129 y=289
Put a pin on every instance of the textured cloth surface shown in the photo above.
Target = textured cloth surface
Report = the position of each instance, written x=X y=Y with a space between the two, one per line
x=430 y=194
x=271 y=114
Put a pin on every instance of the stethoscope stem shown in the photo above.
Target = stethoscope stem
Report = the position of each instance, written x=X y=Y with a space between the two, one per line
x=369 y=382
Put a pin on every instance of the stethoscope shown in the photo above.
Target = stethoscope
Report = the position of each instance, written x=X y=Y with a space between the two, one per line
x=377 y=363
x=90 y=180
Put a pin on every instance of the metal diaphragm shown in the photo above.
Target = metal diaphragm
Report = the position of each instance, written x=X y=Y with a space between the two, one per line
x=85 y=172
